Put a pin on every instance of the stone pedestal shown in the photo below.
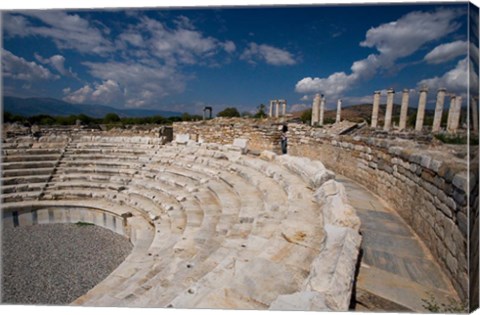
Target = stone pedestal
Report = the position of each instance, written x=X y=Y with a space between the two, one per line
x=422 y=102
x=316 y=110
x=339 y=111
x=376 y=105
x=474 y=113
x=404 y=110
x=388 y=113
x=322 y=110
x=437 y=119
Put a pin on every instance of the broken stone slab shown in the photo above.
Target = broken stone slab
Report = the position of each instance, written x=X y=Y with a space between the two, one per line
x=331 y=196
x=241 y=143
x=333 y=270
x=182 y=138
x=313 y=172
x=268 y=155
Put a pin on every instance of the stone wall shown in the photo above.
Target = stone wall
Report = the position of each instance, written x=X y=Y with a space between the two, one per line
x=263 y=134
x=426 y=185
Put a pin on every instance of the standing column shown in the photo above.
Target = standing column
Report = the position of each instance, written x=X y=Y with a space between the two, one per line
x=270 y=113
x=456 y=107
x=322 y=110
x=437 y=119
x=339 y=111
x=315 y=110
x=277 y=108
x=388 y=112
x=376 y=105
x=422 y=102
x=451 y=113
x=284 y=108
x=404 y=110
x=474 y=106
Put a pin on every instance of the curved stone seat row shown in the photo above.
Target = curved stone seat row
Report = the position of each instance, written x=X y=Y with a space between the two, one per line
x=225 y=230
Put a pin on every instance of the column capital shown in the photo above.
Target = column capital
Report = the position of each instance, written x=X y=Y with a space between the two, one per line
x=424 y=89
x=377 y=92
x=442 y=90
x=406 y=91
x=390 y=90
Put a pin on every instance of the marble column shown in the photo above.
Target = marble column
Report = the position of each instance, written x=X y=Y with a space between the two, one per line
x=454 y=122
x=422 y=102
x=376 y=105
x=277 y=108
x=474 y=107
x=451 y=113
x=388 y=112
x=437 y=118
x=404 y=110
x=339 y=111
x=322 y=110
x=270 y=113
x=284 y=108
x=315 y=110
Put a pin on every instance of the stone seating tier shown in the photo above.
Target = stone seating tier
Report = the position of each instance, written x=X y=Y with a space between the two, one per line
x=211 y=226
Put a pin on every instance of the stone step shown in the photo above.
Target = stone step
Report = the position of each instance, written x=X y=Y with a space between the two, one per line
x=7 y=189
x=28 y=165
x=30 y=158
x=16 y=180
x=27 y=172
x=29 y=152
x=20 y=196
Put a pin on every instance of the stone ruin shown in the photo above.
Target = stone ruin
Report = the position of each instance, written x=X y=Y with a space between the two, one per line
x=211 y=226
x=219 y=219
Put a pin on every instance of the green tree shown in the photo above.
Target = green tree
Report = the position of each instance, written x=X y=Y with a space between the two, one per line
x=229 y=112
x=260 y=111
x=111 y=118
x=306 y=116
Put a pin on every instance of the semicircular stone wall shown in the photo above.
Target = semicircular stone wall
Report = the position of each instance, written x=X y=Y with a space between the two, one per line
x=211 y=227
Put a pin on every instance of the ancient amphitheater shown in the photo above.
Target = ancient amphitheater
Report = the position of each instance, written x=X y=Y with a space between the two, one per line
x=218 y=220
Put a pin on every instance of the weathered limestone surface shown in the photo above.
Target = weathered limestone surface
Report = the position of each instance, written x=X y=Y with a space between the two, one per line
x=388 y=112
x=426 y=185
x=211 y=227
x=422 y=102
x=404 y=110
x=376 y=106
x=437 y=118
x=316 y=110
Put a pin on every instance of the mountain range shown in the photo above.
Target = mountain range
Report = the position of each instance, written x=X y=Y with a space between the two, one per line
x=50 y=106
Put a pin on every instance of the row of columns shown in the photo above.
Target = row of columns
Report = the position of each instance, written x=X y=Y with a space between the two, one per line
x=277 y=104
x=453 y=113
x=318 y=109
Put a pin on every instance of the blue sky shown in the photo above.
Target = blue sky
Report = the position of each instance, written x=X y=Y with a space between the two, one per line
x=183 y=60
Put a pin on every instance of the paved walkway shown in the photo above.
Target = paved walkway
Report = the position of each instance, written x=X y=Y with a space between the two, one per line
x=396 y=271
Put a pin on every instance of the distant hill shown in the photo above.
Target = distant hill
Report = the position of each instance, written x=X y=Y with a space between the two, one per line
x=53 y=107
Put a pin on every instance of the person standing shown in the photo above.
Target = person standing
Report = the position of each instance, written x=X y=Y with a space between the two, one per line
x=284 y=139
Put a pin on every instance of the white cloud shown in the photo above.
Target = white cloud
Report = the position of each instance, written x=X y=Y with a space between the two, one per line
x=68 y=31
x=20 y=69
x=455 y=80
x=447 y=52
x=57 y=62
x=271 y=55
x=393 y=41
x=106 y=93
x=131 y=84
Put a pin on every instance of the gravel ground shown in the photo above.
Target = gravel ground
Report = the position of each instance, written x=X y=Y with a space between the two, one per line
x=57 y=263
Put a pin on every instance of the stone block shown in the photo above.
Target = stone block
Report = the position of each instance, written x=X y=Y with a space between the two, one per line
x=268 y=155
x=460 y=181
x=182 y=138
x=332 y=271
x=301 y=301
